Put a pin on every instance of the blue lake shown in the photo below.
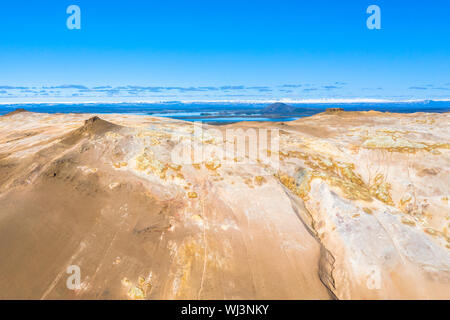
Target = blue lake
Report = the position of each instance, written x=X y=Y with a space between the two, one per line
x=225 y=112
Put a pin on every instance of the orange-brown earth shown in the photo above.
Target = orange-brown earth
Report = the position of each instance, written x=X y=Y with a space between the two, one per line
x=356 y=209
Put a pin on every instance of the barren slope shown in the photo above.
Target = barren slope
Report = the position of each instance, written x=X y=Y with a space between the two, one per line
x=357 y=208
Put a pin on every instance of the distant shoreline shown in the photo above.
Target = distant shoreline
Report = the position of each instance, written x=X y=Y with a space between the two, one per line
x=290 y=101
x=225 y=113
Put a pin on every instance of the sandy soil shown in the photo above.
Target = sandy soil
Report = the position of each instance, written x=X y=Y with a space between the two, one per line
x=352 y=205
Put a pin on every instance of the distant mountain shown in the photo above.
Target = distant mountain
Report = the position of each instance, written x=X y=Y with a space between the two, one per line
x=278 y=108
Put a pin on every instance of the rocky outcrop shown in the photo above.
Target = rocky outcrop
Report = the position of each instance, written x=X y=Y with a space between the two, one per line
x=16 y=111
x=333 y=110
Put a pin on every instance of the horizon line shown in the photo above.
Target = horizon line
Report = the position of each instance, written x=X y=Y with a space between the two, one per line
x=283 y=100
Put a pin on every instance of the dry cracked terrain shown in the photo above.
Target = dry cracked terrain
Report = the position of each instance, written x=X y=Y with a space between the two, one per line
x=353 y=205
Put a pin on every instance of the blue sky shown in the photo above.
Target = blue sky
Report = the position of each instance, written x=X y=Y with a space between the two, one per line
x=224 y=50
